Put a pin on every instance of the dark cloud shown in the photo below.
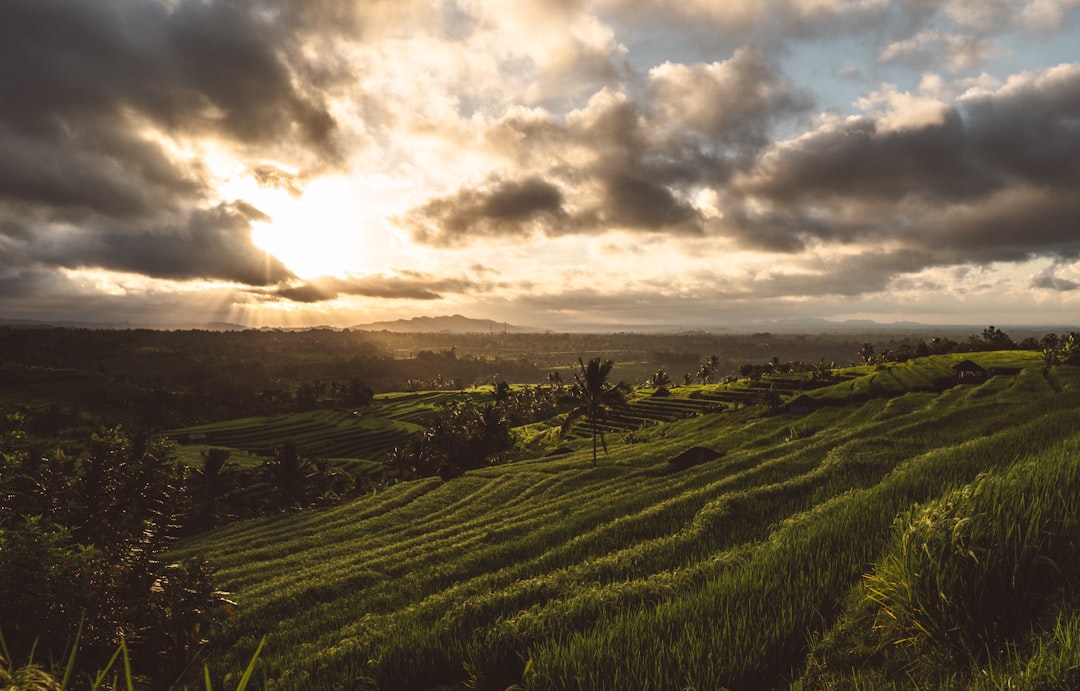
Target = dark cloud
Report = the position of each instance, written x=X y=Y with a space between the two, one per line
x=212 y=243
x=1028 y=131
x=215 y=245
x=406 y=285
x=1049 y=280
x=305 y=292
x=198 y=67
x=854 y=159
x=992 y=179
x=509 y=207
x=269 y=175
x=25 y=283
x=640 y=204
x=80 y=170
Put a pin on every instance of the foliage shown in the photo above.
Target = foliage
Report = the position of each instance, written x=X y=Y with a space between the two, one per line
x=660 y=381
x=464 y=435
x=80 y=541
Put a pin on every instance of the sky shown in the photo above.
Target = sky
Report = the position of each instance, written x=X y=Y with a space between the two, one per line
x=562 y=164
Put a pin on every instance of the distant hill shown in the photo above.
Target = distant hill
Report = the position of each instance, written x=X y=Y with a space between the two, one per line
x=453 y=324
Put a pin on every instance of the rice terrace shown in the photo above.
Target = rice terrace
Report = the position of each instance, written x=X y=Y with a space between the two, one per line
x=538 y=512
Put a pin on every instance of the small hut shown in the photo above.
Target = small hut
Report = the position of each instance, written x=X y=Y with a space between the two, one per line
x=694 y=456
x=967 y=372
x=803 y=404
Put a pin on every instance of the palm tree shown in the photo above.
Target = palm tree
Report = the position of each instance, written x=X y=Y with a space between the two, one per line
x=660 y=380
x=592 y=395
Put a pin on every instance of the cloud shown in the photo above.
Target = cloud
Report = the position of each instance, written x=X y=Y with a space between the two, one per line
x=1045 y=15
x=213 y=243
x=932 y=46
x=734 y=100
x=110 y=112
x=982 y=14
x=628 y=159
x=772 y=21
x=957 y=187
x=903 y=110
x=405 y=285
x=198 y=68
x=506 y=208
x=273 y=176
x=1050 y=280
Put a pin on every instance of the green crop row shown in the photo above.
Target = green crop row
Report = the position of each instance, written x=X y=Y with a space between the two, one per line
x=553 y=574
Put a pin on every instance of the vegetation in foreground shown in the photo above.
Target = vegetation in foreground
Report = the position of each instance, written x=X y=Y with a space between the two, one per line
x=899 y=534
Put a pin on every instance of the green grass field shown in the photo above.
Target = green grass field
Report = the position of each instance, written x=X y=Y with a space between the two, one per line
x=749 y=571
x=365 y=433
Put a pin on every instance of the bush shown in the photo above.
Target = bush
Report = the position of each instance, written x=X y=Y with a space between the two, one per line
x=80 y=557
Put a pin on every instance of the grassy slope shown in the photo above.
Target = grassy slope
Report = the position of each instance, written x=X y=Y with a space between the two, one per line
x=367 y=433
x=626 y=575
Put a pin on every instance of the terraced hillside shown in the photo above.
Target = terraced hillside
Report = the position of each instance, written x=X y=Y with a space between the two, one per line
x=365 y=433
x=556 y=575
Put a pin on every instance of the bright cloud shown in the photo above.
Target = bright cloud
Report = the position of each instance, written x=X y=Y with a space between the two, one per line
x=550 y=163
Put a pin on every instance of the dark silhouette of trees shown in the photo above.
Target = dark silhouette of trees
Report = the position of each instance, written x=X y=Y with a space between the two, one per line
x=209 y=487
x=463 y=435
x=867 y=356
x=359 y=393
x=555 y=380
x=996 y=339
x=467 y=435
x=288 y=472
x=81 y=536
x=593 y=396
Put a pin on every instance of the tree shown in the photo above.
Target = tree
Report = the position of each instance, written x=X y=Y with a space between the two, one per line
x=866 y=353
x=660 y=380
x=592 y=396
x=289 y=472
x=359 y=393
x=994 y=338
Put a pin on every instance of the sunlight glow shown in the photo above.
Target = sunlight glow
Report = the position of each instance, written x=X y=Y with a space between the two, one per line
x=320 y=233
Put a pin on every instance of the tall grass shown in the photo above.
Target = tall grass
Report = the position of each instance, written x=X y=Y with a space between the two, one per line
x=115 y=675
x=968 y=578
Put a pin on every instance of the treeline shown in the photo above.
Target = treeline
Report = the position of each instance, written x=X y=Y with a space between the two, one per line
x=69 y=382
x=1055 y=348
x=210 y=361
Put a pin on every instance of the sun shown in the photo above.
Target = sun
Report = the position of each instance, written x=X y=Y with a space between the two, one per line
x=321 y=233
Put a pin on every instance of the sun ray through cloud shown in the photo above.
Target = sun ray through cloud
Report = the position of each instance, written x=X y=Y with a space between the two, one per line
x=380 y=160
